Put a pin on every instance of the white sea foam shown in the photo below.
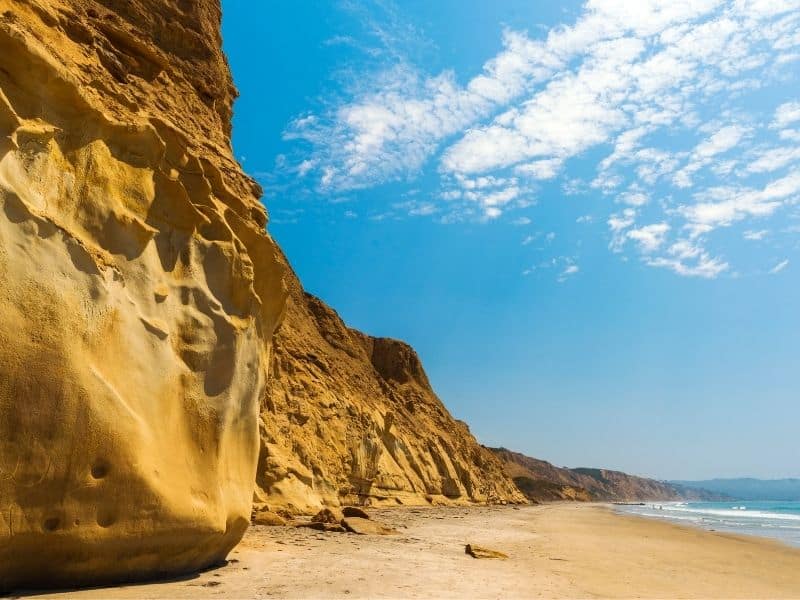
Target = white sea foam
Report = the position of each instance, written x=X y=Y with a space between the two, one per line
x=779 y=520
x=738 y=513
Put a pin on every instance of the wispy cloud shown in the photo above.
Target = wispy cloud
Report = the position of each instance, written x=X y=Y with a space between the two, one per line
x=655 y=83
x=787 y=114
x=568 y=272
x=755 y=236
x=721 y=206
x=779 y=267
x=719 y=142
x=650 y=237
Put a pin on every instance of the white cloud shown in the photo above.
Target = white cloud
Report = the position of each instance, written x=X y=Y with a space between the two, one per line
x=772 y=159
x=540 y=169
x=721 y=206
x=653 y=164
x=572 y=113
x=684 y=250
x=687 y=258
x=755 y=235
x=720 y=142
x=704 y=266
x=491 y=213
x=623 y=220
x=786 y=114
x=618 y=223
x=500 y=197
x=648 y=93
x=395 y=123
x=304 y=167
x=790 y=135
x=568 y=272
x=634 y=198
x=397 y=120
x=422 y=210
x=606 y=181
x=779 y=267
x=650 y=237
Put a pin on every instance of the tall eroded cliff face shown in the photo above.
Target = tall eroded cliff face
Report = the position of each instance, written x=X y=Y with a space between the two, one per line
x=352 y=419
x=138 y=294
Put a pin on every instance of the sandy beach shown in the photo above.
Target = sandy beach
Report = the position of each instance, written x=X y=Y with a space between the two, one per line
x=555 y=551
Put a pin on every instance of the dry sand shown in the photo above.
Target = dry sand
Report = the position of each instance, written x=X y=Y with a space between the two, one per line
x=556 y=551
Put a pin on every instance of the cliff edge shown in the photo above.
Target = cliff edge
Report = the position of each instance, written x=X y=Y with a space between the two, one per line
x=352 y=419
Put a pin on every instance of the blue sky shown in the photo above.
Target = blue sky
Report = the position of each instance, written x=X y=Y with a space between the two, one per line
x=584 y=217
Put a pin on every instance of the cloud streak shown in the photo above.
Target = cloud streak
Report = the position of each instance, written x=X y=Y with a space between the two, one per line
x=655 y=83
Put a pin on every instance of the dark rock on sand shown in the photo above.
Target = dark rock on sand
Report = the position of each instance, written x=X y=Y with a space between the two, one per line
x=478 y=552
x=354 y=511
x=328 y=515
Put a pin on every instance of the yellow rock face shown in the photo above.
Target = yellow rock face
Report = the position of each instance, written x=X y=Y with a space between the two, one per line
x=141 y=398
x=138 y=294
x=352 y=419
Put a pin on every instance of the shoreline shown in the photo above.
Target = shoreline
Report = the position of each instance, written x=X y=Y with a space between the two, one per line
x=560 y=550
x=758 y=522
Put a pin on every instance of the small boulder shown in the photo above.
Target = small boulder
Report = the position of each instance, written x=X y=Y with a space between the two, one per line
x=479 y=552
x=320 y=526
x=316 y=525
x=354 y=511
x=366 y=526
x=265 y=517
x=328 y=515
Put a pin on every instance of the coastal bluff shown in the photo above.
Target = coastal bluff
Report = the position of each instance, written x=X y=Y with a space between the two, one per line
x=542 y=481
x=146 y=399
x=139 y=294
x=352 y=419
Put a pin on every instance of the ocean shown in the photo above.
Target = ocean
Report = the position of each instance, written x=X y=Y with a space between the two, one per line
x=771 y=519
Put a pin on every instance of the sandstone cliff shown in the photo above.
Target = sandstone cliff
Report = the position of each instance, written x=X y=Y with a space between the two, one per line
x=138 y=294
x=541 y=481
x=352 y=419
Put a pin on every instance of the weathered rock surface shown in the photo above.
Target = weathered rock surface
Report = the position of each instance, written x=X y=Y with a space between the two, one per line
x=328 y=515
x=366 y=526
x=138 y=294
x=268 y=518
x=352 y=419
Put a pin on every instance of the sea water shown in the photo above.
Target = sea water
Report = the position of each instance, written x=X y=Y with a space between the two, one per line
x=772 y=519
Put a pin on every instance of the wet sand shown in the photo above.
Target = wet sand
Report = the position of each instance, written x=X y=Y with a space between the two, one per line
x=556 y=551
